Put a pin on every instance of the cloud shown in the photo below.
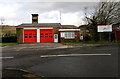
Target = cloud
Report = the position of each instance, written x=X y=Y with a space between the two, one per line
x=16 y=13
x=8 y=10
x=59 y=0
x=72 y=18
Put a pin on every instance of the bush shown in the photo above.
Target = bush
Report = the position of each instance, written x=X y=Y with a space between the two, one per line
x=9 y=39
x=88 y=37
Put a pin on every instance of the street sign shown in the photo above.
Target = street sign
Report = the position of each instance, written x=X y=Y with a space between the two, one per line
x=104 y=28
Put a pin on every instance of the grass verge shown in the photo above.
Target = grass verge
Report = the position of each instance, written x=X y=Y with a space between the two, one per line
x=6 y=44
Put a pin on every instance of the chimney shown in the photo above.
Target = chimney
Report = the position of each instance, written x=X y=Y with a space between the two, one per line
x=34 y=18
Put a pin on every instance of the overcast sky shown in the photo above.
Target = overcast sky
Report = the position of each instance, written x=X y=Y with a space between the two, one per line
x=15 y=12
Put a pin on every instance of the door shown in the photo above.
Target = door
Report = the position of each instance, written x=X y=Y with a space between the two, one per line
x=46 y=35
x=56 y=38
x=30 y=36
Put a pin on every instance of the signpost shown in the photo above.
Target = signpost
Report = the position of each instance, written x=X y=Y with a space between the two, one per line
x=105 y=28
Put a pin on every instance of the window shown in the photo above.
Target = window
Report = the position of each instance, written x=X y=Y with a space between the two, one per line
x=55 y=36
x=34 y=36
x=25 y=36
x=69 y=35
x=50 y=34
x=62 y=34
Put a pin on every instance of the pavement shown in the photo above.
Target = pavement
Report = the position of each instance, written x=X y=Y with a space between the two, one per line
x=44 y=46
x=65 y=61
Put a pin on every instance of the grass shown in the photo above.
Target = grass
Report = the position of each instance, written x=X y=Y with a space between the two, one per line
x=91 y=42
x=6 y=44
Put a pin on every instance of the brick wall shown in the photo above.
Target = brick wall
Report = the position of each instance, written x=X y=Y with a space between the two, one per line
x=19 y=35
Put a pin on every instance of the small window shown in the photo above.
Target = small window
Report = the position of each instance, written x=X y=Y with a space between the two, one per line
x=41 y=34
x=55 y=36
x=25 y=36
x=62 y=34
x=46 y=36
x=50 y=36
x=30 y=36
x=34 y=36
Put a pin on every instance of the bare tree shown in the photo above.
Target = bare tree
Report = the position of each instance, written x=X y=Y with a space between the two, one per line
x=105 y=13
x=108 y=12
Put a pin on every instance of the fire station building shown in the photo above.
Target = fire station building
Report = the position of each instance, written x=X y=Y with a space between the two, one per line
x=45 y=32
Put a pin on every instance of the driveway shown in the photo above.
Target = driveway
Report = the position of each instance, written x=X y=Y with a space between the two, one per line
x=97 y=61
x=42 y=46
x=35 y=46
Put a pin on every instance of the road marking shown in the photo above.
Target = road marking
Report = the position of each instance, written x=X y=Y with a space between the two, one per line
x=43 y=56
x=6 y=57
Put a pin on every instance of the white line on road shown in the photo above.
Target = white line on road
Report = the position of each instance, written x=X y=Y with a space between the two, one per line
x=43 y=56
x=6 y=57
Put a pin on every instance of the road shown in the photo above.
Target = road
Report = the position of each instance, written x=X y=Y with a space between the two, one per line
x=65 y=66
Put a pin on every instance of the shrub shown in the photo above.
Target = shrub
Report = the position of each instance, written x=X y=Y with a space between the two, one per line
x=88 y=37
x=9 y=39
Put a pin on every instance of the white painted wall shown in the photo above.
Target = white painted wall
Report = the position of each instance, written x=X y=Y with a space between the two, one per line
x=38 y=35
x=69 y=29
x=40 y=28
x=30 y=28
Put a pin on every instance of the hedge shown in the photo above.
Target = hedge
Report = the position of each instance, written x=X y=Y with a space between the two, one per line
x=9 y=39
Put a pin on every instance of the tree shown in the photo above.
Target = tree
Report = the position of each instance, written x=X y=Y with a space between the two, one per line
x=105 y=13
x=108 y=13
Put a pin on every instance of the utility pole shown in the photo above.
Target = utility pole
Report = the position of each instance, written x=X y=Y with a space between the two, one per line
x=60 y=17
x=2 y=21
x=109 y=37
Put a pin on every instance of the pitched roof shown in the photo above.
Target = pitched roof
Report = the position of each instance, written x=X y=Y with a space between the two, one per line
x=40 y=24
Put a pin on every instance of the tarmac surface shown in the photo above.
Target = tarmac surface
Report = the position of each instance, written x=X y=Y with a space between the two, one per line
x=104 y=62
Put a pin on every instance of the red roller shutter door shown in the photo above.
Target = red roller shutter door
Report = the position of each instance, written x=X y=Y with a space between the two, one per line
x=46 y=35
x=30 y=36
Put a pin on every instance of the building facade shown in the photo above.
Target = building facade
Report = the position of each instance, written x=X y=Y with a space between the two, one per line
x=45 y=32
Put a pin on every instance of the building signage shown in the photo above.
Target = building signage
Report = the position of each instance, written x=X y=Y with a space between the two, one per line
x=104 y=28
